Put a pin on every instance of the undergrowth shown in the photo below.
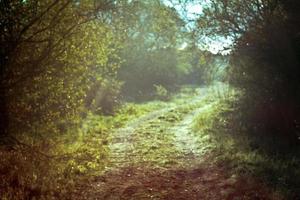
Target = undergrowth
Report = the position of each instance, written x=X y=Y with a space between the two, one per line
x=232 y=145
x=49 y=167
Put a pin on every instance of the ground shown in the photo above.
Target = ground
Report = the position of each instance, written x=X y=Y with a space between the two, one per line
x=160 y=156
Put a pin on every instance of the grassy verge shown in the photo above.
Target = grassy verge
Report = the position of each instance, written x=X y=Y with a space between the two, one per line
x=232 y=145
x=48 y=167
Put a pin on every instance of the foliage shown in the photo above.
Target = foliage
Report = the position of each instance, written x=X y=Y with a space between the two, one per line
x=30 y=172
x=153 y=34
x=52 y=53
x=103 y=97
x=264 y=63
x=270 y=68
x=43 y=87
x=231 y=145
x=161 y=93
x=66 y=65
x=52 y=168
x=262 y=132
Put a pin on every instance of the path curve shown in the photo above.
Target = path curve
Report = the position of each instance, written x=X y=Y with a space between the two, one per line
x=158 y=157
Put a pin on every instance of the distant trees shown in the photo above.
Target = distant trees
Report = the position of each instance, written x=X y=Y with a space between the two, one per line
x=156 y=49
x=153 y=34
x=61 y=58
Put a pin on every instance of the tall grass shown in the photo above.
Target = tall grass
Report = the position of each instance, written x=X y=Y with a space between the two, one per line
x=50 y=166
x=235 y=146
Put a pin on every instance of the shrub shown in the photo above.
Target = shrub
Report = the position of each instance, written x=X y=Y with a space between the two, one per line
x=103 y=97
x=161 y=93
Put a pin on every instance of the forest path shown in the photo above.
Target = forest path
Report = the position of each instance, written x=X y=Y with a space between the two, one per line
x=159 y=137
x=157 y=156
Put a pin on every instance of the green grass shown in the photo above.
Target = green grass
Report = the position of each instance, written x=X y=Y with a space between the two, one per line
x=51 y=166
x=231 y=145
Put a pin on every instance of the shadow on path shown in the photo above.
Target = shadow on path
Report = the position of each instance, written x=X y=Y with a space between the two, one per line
x=203 y=182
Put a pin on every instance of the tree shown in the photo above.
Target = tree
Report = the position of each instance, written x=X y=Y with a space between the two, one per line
x=51 y=52
x=264 y=61
x=152 y=32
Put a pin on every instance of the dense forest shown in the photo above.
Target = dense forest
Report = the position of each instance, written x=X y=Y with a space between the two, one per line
x=150 y=99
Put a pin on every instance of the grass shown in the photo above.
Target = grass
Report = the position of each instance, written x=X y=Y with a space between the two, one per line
x=49 y=167
x=46 y=167
x=232 y=145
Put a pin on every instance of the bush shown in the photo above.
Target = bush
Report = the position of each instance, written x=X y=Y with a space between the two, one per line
x=161 y=93
x=265 y=64
x=103 y=97
x=49 y=168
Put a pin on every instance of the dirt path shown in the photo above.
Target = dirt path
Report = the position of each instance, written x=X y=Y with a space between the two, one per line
x=187 y=143
x=158 y=157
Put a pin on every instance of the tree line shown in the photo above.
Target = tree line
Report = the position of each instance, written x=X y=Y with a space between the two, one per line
x=62 y=59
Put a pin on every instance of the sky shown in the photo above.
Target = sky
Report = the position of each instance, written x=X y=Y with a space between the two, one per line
x=190 y=12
